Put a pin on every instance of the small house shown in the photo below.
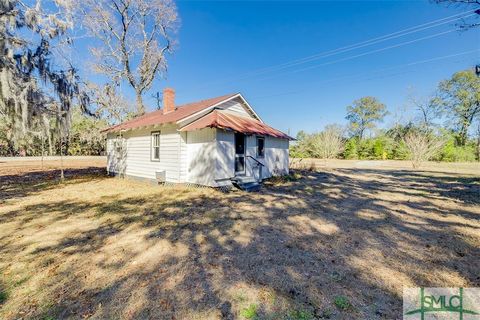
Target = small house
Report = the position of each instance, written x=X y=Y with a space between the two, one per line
x=213 y=142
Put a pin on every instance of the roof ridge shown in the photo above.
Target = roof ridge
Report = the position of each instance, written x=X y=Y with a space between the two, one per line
x=180 y=112
x=204 y=100
x=184 y=105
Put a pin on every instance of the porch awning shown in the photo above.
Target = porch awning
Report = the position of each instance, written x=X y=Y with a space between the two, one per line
x=228 y=121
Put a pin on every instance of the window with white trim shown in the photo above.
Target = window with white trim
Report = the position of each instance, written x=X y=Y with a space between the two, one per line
x=155 y=153
x=260 y=147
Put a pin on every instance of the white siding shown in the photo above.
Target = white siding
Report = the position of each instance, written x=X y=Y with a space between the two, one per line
x=276 y=156
x=275 y=160
x=138 y=161
x=183 y=160
x=201 y=157
x=253 y=169
x=235 y=106
x=116 y=154
x=225 y=162
x=111 y=161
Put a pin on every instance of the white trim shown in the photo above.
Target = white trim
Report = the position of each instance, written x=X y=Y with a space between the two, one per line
x=153 y=135
x=244 y=171
x=251 y=109
x=257 y=137
x=207 y=110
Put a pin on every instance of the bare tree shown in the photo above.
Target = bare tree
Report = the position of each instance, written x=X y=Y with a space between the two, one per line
x=427 y=107
x=111 y=105
x=422 y=146
x=331 y=141
x=324 y=145
x=467 y=4
x=136 y=35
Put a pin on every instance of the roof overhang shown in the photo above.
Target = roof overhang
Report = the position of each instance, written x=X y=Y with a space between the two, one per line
x=195 y=116
x=155 y=118
x=231 y=122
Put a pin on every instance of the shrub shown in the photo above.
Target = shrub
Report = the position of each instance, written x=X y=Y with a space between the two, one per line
x=351 y=149
x=452 y=153
x=3 y=297
x=342 y=303
x=422 y=146
x=400 y=151
x=250 y=312
x=365 y=149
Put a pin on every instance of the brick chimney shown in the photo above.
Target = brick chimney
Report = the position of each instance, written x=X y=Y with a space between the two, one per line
x=168 y=100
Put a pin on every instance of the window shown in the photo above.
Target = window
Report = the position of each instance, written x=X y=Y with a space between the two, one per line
x=260 y=147
x=155 y=146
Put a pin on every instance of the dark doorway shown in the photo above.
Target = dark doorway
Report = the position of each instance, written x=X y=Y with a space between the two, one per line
x=240 y=153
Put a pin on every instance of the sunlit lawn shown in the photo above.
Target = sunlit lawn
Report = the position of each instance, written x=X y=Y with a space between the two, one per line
x=338 y=243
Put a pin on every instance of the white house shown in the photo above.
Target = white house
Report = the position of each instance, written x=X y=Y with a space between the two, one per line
x=212 y=142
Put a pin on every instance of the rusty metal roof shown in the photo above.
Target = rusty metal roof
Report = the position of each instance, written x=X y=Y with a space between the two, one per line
x=228 y=121
x=157 y=117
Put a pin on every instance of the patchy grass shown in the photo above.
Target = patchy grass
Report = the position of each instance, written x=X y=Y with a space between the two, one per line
x=299 y=315
x=279 y=180
x=3 y=297
x=98 y=247
x=342 y=303
x=250 y=312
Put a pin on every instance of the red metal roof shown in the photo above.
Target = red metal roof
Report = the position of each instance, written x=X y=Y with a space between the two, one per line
x=228 y=121
x=157 y=117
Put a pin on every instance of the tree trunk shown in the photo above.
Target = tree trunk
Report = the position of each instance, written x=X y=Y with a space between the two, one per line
x=478 y=148
x=462 y=136
x=11 y=147
x=66 y=145
x=360 y=134
x=478 y=142
x=43 y=153
x=140 y=106
x=50 y=146
x=62 y=175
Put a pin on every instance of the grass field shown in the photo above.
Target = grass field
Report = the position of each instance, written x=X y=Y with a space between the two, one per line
x=338 y=242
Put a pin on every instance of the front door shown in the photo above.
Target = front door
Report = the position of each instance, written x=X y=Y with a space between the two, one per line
x=240 y=153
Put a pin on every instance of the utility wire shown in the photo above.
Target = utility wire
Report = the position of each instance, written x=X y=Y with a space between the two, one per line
x=357 y=46
x=348 y=48
x=418 y=62
x=361 y=54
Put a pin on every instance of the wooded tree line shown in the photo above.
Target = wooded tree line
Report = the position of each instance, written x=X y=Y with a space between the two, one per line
x=444 y=127
x=46 y=107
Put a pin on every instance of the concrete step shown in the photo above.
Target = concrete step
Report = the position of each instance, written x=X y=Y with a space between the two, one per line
x=251 y=186
x=244 y=179
x=246 y=183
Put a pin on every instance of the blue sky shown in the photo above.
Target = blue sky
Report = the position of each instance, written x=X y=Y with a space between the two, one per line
x=223 y=44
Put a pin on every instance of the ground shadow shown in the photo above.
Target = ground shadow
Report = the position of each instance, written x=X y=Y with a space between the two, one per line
x=461 y=187
x=23 y=184
x=304 y=240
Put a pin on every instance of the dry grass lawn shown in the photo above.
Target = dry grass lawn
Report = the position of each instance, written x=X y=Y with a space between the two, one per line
x=340 y=242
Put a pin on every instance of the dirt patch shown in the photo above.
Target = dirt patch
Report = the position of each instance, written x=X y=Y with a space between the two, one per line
x=338 y=242
x=468 y=168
